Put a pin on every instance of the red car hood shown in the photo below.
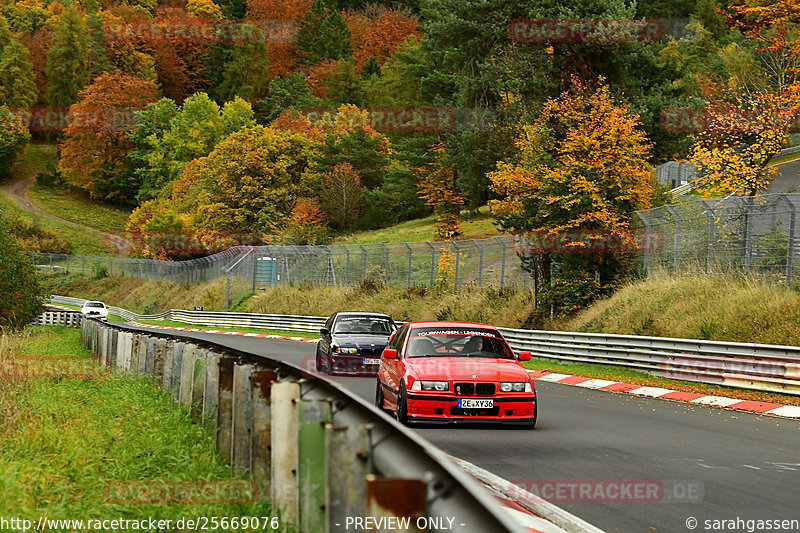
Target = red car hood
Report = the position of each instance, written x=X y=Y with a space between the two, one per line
x=464 y=368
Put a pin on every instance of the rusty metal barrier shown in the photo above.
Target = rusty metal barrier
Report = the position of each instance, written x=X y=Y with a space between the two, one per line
x=319 y=453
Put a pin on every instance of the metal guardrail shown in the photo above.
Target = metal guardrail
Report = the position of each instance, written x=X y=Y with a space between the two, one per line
x=210 y=318
x=58 y=318
x=762 y=367
x=320 y=453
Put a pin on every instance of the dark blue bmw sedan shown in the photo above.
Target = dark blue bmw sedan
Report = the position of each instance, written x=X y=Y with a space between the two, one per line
x=352 y=342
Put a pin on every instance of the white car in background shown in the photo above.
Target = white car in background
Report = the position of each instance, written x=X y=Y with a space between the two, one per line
x=95 y=310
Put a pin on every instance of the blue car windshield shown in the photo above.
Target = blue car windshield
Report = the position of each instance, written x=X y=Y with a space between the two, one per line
x=362 y=325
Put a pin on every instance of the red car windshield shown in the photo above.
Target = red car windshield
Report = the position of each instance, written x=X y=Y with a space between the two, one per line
x=457 y=342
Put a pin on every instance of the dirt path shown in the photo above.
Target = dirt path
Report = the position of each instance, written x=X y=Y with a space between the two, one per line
x=17 y=192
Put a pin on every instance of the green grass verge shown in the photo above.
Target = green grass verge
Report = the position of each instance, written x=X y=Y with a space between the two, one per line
x=32 y=162
x=76 y=207
x=626 y=375
x=70 y=443
x=175 y=323
x=422 y=229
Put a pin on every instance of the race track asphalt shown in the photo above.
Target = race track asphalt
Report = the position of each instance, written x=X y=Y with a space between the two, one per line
x=734 y=465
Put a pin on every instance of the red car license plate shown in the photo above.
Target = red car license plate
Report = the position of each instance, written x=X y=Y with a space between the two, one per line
x=467 y=403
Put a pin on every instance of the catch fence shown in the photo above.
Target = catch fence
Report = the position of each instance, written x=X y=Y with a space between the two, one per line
x=752 y=235
x=485 y=262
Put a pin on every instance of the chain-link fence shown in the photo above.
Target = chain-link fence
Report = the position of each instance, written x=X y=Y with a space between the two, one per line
x=473 y=262
x=755 y=235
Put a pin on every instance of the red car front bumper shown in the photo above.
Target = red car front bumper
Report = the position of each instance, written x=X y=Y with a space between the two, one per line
x=443 y=408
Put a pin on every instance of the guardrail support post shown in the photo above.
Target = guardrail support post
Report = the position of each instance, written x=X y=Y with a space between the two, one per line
x=177 y=364
x=225 y=406
x=166 y=365
x=261 y=442
x=242 y=417
x=284 y=458
x=150 y=355
x=312 y=472
x=186 y=375
x=198 y=384
x=211 y=393
x=348 y=461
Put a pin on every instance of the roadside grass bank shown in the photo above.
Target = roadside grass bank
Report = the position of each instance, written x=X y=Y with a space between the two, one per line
x=103 y=447
x=476 y=226
x=722 y=308
x=32 y=162
x=175 y=323
x=76 y=207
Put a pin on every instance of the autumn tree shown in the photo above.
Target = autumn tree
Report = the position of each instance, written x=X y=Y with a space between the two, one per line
x=251 y=177
x=167 y=138
x=380 y=36
x=581 y=168
x=322 y=35
x=17 y=82
x=304 y=225
x=349 y=138
x=342 y=196
x=733 y=151
x=21 y=292
x=14 y=138
x=245 y=71
x=439 y=188
x=98 y=49
x=284 y=93
x=67 y=65
x=96 y=143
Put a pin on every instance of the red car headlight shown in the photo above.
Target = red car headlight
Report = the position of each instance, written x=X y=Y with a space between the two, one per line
x=430 y=385
x=510 y=386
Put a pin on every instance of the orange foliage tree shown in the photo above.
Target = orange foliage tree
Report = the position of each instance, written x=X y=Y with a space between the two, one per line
x=439 y=190
x=581 y=168
x=96 y=144
x=284 y=15
x=381 y=35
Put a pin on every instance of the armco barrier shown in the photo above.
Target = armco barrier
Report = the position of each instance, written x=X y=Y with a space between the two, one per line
x=762 y=367
x=318 y=452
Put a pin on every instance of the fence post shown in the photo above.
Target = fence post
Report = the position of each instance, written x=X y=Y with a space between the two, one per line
x=748 y=244
x=503 y=261
x=677 y=243
x=408 y=281
x=480 y=262
x=386 y=268
x=83 y=273
x=255 y=269
x=347 y=265
x=646 y=242
x=227 y=291
x=67 y=264
x=712 y=229
x=433 y=262
x=458 y=252
x=790 y=243
x=364 y=271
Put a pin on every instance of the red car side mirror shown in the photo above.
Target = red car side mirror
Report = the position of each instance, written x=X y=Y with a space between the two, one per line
x=389 y=353
x=524 y=356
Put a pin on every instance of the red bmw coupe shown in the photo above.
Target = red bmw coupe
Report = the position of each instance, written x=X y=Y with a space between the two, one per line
x=450 y=372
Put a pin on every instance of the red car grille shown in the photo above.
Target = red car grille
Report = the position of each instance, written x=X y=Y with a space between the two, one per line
x=470 y=389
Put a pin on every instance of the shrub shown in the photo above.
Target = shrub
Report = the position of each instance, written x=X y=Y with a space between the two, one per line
x=21 y=294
